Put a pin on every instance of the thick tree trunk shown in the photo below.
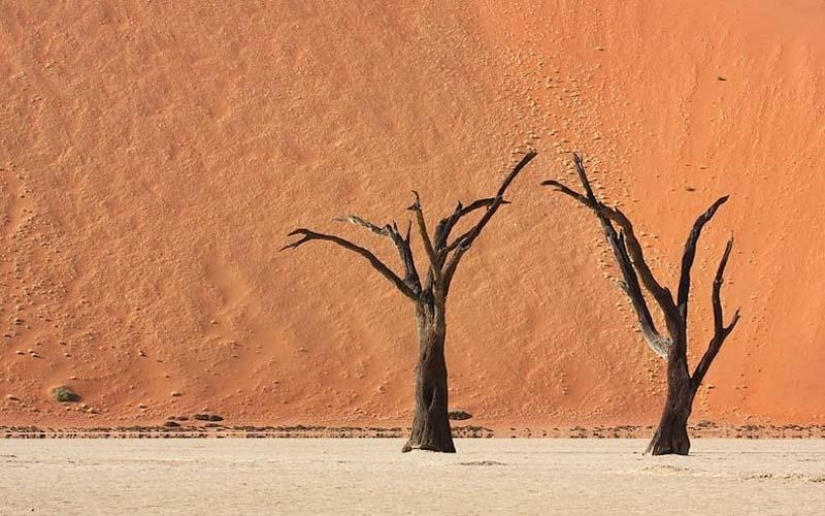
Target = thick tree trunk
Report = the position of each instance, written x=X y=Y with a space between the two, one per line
x=672 y=435
x=431 y=424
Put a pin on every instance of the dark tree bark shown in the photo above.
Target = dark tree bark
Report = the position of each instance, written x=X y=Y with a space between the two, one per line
x=431 y=424
x=672 y=433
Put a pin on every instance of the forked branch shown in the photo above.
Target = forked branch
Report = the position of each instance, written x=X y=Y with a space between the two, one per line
x=629 y=255
x=720 y=331
x=463 y=238
x=402 y=245
x=438 y=249
x=465 y=241
x=446 y=225
x=609 y=214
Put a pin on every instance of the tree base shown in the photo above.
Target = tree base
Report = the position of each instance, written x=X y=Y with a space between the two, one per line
x=656 y=449
x=432 y=434
x=670 y=440
x=408 y=447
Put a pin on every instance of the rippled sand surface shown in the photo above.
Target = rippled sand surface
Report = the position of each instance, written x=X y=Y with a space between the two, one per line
x=155 y=155
x=370 y=476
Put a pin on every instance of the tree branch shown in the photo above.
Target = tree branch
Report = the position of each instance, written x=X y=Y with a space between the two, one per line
x=402 y=244
x=462 y=238
x=607 y=214
x=624 y=246
x=445 y=226
x=411 y=277
x=308 y=235
x=464 y=242
x=690 y=254
x=720 y=331
x=358 y=221
x=435 y=264
x=659 y=344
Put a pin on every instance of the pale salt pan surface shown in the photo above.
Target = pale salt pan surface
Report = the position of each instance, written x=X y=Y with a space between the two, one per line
x=370 y=476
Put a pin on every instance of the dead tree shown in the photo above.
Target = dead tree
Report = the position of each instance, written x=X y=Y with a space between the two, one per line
x=431 y=425
x=672 y=434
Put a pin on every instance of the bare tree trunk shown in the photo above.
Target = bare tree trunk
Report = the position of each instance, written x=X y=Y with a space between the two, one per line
x=431 y=424
x=672 y=434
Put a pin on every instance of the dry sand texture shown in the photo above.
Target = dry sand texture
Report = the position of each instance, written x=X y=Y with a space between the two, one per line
x=357 y=476
x=153 y=156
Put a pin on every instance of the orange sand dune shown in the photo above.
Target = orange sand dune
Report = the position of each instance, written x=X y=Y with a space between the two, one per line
x=153 y=157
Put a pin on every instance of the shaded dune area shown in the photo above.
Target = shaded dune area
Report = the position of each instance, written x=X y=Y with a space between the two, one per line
x=154 y=156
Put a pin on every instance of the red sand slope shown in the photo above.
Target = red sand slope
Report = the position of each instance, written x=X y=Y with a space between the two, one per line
x=153 y=158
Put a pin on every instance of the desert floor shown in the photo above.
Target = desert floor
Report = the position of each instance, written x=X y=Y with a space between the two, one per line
x=370 y=476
